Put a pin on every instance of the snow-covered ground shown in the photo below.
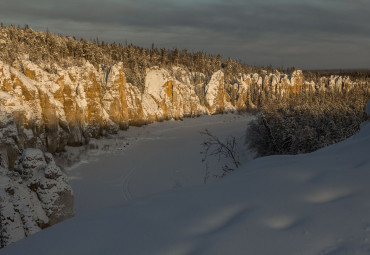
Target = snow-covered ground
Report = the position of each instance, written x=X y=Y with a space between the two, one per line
x=316 y=203
x=148 y=159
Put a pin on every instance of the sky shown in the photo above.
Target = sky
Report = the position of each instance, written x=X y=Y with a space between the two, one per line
x=312 y=34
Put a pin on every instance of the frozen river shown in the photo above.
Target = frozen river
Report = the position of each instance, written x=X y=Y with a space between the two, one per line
x=160 y=156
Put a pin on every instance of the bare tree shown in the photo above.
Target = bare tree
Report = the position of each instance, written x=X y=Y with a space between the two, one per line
x=213 y=146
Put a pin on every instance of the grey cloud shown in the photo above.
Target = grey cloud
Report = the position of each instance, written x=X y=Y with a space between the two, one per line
x=225 y=17
x=237 y=28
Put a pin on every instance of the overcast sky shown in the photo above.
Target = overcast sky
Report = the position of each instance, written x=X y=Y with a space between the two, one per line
x=312 y=34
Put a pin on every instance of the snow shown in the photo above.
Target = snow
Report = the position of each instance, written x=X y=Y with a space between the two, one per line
x=212 y=88
x=156 y=157
x=368 y=108
x=154 y=81
x=315 y=203
x=10 y=103
x=35 y=194
x=150 y=107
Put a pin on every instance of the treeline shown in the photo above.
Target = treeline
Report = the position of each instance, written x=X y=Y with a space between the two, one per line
x=48 y=48
x=66 y=51
x=315 y=75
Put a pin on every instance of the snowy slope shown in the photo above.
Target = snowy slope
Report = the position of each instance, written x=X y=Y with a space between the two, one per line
x=315 y=203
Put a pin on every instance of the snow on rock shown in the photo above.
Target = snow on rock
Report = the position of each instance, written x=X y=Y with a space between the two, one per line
x=30 y=162
x=155 y=82
x=114 y=98
x=33 y=196
x=296 y=81
x=9 y=140
x=216 y=97
x=49 y=183
x=36 y=194
x=165 y=97
x=243 y=100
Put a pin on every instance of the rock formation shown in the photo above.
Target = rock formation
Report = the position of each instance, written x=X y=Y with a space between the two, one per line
x=70 y=105
x=33 y=196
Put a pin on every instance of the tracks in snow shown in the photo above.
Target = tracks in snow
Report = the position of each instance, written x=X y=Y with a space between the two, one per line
x=159 y=135
x=126 y=192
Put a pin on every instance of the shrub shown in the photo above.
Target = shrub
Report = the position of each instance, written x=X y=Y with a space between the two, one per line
x=301 y=124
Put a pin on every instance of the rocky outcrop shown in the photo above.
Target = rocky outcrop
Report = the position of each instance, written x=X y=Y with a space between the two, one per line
x=33 y=196
x=165 y=97
x=34 y=192
x=70 y=105
x=10 y=142
x=217 y=100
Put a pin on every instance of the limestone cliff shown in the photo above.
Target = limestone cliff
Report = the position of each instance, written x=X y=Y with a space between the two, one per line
x=72 y=104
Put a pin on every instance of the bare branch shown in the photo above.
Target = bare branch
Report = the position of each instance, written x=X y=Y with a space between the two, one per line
x=213 y=146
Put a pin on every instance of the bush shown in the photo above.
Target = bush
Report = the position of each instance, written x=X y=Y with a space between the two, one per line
x=301 y=125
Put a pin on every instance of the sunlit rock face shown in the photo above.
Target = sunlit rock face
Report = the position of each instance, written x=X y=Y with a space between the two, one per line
x=165 y=97
x=217 y=100
x=69 y=105
x=76 y=103
x=297 y=82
